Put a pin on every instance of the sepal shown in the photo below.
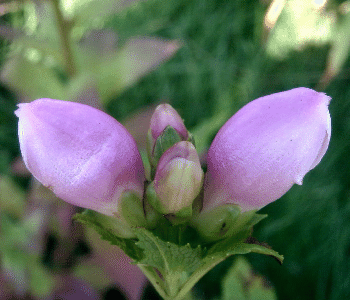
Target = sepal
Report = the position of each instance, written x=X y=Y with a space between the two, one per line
x=225 y=221
x=166 y=140
x=215 y=224
x=110 y=228
x=131 y=210
x=182 y=216
x=153 y=217
x=153 y=198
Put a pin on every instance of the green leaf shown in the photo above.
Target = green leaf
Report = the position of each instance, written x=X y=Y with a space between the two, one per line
x=167 y=256
x=42 y=282
x=42 y=18
x=12 y=197
x=294 y=30
x=218 y=253
x=13 y=262
x=242 y=284
x=225 y=221
x=135 y=59
x=339 y=52
x=23 y=267
x=44 y=49
x=97 y=10
x=34 y=80
x=234 y=245
x=103 y=225
x=167 y=259
x=92 y=273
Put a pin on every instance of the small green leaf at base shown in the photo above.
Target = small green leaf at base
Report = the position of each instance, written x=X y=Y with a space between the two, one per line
x=103 y=225
x=173 y=257
x=167 y=256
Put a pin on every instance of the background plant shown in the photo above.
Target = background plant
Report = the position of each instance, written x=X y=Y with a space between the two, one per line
x=231 y=53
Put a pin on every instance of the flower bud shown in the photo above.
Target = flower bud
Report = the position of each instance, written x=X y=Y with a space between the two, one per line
x=163 y=116
x=179 y=178
x=166 y=129
x=82 y=154
x=266 y=147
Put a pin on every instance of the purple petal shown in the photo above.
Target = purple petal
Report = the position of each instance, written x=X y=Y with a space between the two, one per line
x=266 y=147
x=84 y=155
x=163 y=116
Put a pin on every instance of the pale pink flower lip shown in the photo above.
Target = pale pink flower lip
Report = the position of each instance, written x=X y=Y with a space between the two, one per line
x=84 y=155
x=179 y=177
x=266 y=147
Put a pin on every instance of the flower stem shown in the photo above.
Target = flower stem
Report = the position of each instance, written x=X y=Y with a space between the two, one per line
x=154 y=278
x=64 y=29
x=168 y=289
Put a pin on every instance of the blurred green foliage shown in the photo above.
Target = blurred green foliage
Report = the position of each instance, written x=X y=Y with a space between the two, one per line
x=9 y=146
x=228 y=58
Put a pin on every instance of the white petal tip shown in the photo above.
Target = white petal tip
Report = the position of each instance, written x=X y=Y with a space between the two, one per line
x=20 y=107
x=327 y=99
x=298 y=181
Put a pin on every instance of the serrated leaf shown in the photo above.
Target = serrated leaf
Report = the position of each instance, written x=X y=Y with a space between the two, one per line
x=230 y=246
x=128 y=245
x=167 y=256
x=218 y=253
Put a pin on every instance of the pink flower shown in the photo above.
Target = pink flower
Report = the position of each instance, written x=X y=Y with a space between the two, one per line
x=266 y=147
x=84 y=155
x=163 y=116
x=166 y=129
x=179 y=177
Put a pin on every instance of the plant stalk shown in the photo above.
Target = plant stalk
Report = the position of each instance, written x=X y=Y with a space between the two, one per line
x=64 y=30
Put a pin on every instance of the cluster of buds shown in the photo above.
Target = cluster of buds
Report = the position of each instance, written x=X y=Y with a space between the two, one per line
x=90 y=160
x=178 y=176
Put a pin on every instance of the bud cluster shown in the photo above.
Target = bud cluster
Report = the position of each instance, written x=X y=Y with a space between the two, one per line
x=178 y=176
x=90 y=160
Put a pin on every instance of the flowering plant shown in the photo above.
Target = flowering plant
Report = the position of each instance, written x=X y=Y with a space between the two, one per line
x=177 y=223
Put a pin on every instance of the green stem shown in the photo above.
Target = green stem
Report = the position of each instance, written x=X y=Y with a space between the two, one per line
x=196 y=276
x=154 y=278
x=64 y=30
x=168 y=289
